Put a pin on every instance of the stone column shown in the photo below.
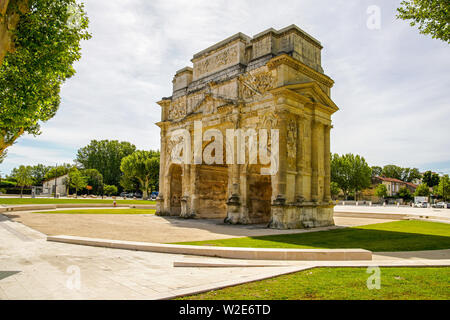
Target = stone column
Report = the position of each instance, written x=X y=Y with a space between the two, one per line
x=316 y=126
x=280 y=176
x=162 y=175
x=186 y=182
x=327 y=155
x=299 y=197
x=194 y=197
x=234 y=201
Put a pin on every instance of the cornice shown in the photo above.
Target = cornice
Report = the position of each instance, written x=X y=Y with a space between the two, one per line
x=299 y=66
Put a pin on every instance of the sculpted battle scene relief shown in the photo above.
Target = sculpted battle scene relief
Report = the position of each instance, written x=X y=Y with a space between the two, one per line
x=245 y=136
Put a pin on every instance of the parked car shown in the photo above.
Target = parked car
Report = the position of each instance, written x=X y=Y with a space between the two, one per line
x=423 y=204
x=153 y=195
x=440 y=205
x=124 y=194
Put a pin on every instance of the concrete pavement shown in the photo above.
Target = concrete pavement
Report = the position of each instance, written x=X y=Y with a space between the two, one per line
x=32 y=268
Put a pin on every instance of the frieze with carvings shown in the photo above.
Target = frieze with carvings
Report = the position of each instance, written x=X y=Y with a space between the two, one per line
x=177 y=110
x=218 y=61
x=256 y=84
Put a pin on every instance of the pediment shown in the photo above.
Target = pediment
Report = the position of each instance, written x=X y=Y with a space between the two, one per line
x=314 y=93
x=210 y=103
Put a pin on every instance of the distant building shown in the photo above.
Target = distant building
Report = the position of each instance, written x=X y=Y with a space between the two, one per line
x=49 y=186
x=394 y=185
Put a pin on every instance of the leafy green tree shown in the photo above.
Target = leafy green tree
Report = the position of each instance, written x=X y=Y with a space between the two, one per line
x=334 y=189
x=405 y=194
x=58 y=171
x=392 y=171
x=431 y=179
x=38 y=172
x=129 y=183
x=403 y=174
x=23 y=177
x=381 y=191
x=110 y=189
x=410 y=174
x=143 y=166
x=106 y=157
x=46 y=46
x=94 y=179
x=431 y=16
x=443 y=189
x=423 y=190
x=376 y=171
x=77 y=180
x=350 y=172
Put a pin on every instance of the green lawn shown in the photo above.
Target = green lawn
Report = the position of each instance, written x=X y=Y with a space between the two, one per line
x=101 y=211
x=10 y=201
x=342 y=284
x=391 y=236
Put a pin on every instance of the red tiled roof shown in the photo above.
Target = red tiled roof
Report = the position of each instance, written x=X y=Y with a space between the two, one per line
x=390 y=179
x=412 y=185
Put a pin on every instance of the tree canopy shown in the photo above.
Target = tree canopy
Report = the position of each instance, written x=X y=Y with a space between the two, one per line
x=94 y=179
x=423 y=190
x=431 y=179
x=47 y=43
x=105 y=156
x=443 y=188
x=24 y=177
x=431 y=16
x=381 y=191
x=351 y=172
x=403 y=174
x=143 y=166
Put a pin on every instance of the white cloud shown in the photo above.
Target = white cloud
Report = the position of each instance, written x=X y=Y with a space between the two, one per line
x=391 y=84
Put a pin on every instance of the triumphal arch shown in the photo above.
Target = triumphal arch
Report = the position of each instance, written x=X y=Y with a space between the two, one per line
x=245 y=136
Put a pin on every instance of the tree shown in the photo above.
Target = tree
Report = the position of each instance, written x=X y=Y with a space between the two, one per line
x=392 y=171
x=443 y=189
x=46 y=46
x=431 y=179
x=144 y=166
x=110 y=189
x=431 y=16
x=405 y=194
x=106 y=157
x=334 y=189
x=58 y=171
x=381 y=191
x=9 y=10
x=77 y=180
x=410 y=174
x=350 y=172
x=423 y=190
x=129 y=183
x=94 y=179
x=23 y=177
x=376 y=171
x=38 y=172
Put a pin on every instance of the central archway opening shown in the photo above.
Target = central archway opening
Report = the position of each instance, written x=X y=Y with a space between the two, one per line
x=176 y=188
x=259 y=195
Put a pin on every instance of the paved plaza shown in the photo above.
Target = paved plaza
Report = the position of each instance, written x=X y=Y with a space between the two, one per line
x=32 y=268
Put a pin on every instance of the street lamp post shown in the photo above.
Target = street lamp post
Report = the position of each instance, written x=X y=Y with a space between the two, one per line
x=56 y=178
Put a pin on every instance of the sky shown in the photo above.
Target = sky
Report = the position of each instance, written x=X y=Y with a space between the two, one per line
x=392 y=84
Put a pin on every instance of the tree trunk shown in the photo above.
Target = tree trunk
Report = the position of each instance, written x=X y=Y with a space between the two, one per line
x=21 y=191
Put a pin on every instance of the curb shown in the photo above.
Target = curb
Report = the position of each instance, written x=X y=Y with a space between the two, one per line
x=224 y=252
